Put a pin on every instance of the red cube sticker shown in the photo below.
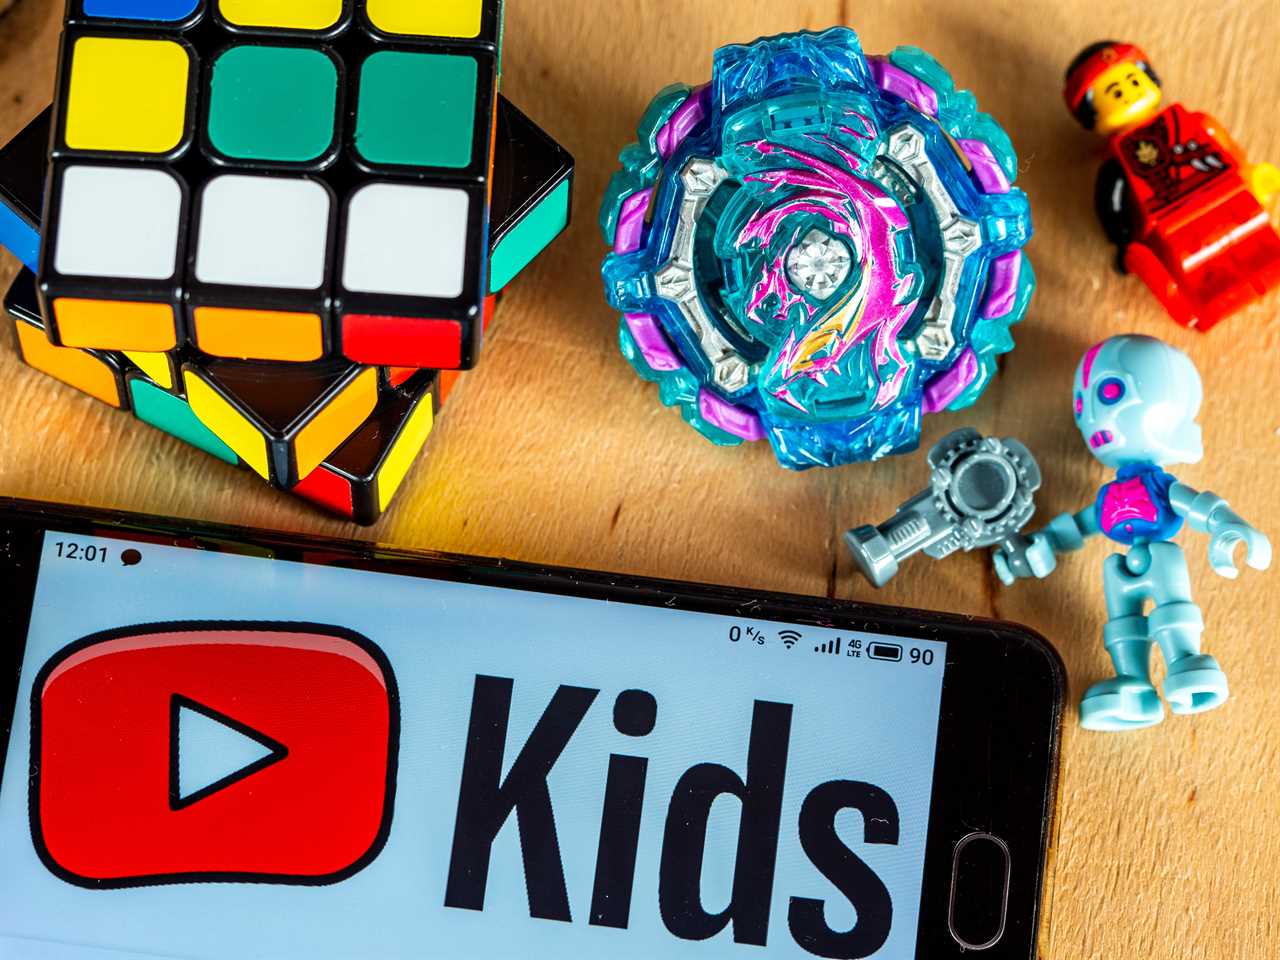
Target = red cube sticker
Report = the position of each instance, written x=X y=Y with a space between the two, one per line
x=213 y=752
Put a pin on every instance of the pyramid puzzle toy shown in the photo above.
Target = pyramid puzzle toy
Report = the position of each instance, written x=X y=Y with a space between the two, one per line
x=277 y=228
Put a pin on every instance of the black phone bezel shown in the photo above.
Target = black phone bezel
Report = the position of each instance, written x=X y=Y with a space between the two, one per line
x=996 y=765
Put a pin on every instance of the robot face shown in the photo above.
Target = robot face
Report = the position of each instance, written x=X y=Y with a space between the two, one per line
x=1124 y=96
x=1136 y=400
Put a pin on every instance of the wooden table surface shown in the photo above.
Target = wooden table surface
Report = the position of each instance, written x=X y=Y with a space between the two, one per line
x=554 y=451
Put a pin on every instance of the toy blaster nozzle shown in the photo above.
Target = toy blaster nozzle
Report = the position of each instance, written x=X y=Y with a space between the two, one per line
x=981 y=494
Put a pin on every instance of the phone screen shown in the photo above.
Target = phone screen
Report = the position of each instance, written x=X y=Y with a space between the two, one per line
x=220 y=755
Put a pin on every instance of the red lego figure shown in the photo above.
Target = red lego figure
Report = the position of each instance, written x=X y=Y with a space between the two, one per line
x=1177 y=195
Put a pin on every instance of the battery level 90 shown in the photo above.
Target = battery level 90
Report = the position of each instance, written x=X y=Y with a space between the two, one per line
x=884 y=651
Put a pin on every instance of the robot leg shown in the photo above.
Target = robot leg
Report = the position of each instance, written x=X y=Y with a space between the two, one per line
x=1128 y=701
x=1194 y=682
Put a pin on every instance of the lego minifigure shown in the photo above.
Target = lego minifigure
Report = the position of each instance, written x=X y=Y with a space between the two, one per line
x=1136 y=401
x=1177 y=195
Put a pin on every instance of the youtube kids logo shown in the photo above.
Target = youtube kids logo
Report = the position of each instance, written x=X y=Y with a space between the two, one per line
x=267 y=753
x=200 y=752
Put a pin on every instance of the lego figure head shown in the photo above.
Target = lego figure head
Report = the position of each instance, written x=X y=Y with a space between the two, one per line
x=1111 y=86
x=1136 y=400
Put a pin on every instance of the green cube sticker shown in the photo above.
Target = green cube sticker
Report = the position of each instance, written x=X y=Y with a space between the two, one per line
x=273 y=103
x=529 y=237
x=417 y=109
x=174 y=416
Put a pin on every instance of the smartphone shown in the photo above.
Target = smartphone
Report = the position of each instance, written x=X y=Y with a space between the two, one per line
x=234 y=744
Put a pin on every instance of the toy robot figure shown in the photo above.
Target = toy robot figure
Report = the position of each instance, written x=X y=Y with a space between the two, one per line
x=1136 y=400
x=1177 y=196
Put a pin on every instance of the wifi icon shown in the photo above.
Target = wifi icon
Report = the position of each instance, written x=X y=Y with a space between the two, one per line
x=790 y=638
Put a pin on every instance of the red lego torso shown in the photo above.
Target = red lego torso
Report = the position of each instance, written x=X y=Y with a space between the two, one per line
x=1174 y=161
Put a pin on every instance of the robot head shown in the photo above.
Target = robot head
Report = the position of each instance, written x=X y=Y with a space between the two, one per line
x=1136 y=399
x=1111 y=86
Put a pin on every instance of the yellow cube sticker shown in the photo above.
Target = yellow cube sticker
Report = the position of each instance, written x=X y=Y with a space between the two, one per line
x=443 y=18
x=405 y=452
x=229 y=425
x=154 y=365
x=127 y=95
x=282 y=14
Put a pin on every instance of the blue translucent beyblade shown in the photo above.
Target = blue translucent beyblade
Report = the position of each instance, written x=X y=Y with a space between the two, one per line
x=817 y=248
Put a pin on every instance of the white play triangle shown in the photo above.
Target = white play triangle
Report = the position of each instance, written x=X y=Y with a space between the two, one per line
x=210 y=751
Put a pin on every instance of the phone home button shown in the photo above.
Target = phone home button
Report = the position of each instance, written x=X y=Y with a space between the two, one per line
x=980 y=874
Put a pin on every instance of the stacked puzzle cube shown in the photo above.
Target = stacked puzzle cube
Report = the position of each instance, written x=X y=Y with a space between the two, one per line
x=277 y=228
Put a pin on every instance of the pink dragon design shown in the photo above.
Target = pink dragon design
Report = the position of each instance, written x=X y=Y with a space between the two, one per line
x=875 y=306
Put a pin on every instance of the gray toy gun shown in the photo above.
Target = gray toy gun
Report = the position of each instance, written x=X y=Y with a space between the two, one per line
x=981 y=495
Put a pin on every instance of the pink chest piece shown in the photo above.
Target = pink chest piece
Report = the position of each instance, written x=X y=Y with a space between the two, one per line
x=1125 y=501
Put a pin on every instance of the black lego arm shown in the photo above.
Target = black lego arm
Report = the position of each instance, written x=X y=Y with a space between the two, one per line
x=1111 y=200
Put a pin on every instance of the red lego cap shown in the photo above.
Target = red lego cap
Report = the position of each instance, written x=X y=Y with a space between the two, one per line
x=1087 y=71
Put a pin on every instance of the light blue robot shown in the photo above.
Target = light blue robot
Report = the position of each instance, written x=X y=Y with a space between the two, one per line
x=1136 y=402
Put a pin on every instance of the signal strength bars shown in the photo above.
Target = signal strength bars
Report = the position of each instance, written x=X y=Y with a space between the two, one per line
x=831 y=646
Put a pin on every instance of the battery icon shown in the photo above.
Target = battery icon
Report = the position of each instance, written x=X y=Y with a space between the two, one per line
x=885 y=651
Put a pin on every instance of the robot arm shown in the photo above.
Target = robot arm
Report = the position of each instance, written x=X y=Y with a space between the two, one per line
x=1113 y=205
x=1020 y=558
x=1209 y=513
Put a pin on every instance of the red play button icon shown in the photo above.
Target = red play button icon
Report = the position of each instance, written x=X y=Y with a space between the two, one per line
x=185 y=753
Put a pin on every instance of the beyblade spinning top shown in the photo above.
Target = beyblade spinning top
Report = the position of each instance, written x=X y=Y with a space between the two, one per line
x=817 y=248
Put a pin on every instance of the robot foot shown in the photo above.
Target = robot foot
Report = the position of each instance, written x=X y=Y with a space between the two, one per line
x=1122 y=703
x=1195 y=684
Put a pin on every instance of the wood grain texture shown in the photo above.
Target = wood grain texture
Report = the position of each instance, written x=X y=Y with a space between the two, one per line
x=554 y=451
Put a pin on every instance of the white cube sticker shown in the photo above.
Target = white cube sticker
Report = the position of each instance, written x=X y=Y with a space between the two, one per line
x=406 y=240
x=118 y=222
x=264 y=232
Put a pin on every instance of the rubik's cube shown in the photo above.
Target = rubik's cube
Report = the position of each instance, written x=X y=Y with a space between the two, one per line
x=356 y=481
x=283 y=217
